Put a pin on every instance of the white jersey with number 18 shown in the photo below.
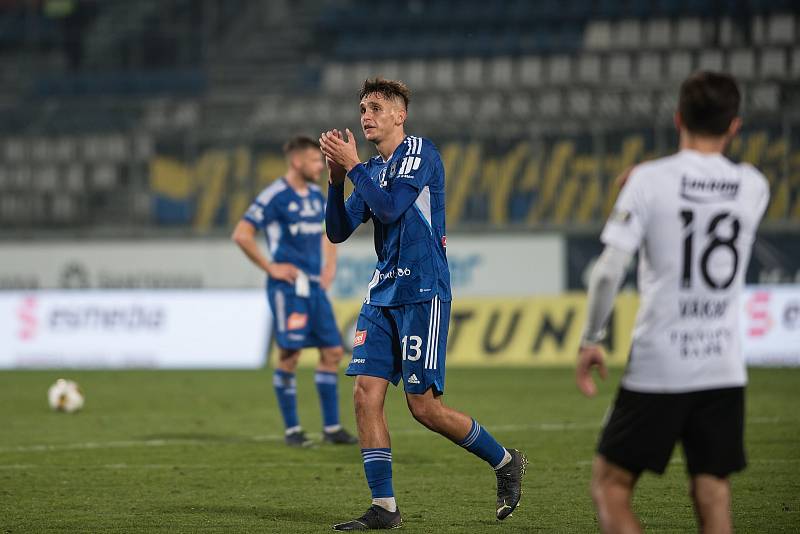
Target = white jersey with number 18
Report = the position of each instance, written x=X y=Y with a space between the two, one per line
x=693 y=219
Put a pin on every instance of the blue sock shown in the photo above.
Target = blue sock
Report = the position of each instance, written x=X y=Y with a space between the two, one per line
x=378 y=468
x=286 y=391
x=328 y=398
x=480 y=443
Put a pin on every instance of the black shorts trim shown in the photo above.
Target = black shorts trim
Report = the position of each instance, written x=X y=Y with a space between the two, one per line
x=643 y=428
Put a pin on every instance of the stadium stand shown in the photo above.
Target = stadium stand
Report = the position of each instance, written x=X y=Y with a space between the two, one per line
x=107 y=132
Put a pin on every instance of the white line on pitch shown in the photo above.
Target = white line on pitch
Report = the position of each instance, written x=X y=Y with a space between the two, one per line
x=121 y=444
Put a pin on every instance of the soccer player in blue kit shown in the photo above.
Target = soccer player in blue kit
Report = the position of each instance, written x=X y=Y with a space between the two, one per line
x=291 y=211
x=402 y=328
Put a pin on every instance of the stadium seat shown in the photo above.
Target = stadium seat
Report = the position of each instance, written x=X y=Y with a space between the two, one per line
x=619 y=67
x=559 y=69
x=772 y=63
x=794 y=71
x=530 y=71
x=550 y=104
x=658 y=33
x=679 y=65
x=710 y=59
x=417 y=74
x=472 y=73
x=628 y=34
x=781 y=29
x=579 y=102
x=741 y=63
x=689 y=33
x=501 y=71
x=588 y=69
x=765 y=97
x=443 y=71
x=520 y=105
x=597 y=35
x=649 y=67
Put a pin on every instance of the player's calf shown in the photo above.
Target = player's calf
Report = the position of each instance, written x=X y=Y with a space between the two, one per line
x=712 y=502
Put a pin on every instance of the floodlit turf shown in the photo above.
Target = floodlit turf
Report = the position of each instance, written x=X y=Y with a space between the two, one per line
x=201 y=451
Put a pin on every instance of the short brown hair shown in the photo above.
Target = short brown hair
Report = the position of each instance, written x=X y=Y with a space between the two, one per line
x=299 y=142
x=386 y=88
x=708 y=102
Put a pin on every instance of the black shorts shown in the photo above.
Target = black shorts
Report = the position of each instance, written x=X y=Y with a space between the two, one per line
x=643 y=428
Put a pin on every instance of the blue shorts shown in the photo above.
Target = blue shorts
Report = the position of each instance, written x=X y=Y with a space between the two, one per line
x=300 y=322
x=408 y=342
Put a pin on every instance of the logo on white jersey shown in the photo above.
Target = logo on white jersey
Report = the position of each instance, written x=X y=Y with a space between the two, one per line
x=413 y=379
x=293 y=206
x=708 y=189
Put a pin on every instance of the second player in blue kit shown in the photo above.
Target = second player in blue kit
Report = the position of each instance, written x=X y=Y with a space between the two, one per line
x=402 y=328
x=291 y=212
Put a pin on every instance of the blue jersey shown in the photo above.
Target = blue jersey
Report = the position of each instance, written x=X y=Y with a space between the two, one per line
x=412 y=261
x=293 y=224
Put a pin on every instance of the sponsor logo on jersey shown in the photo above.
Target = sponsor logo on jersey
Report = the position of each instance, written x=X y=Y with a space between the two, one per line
x=395 y=273
x=308 y=209
x=305 y=228
x=296 y=321
x=709 y=189
x=293 y=206
x=359 y=339
x=696 y=308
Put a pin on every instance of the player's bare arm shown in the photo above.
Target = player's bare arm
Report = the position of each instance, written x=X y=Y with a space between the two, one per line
x=244 y=235
x=329 y=263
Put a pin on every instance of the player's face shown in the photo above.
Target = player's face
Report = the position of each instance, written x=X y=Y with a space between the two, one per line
x=309 y=164
x=380 y=117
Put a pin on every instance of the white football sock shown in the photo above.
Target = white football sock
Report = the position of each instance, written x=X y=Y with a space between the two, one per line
x=387 y=503
x=331 y=428
x=504 y=461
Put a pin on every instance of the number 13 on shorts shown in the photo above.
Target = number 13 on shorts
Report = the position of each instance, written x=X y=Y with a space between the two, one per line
x=406 y=342
x=415 y=348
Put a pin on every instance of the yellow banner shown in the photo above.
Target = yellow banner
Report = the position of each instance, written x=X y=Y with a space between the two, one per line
x=515 y=331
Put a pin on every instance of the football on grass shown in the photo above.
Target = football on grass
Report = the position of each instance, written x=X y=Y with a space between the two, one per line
x=65 y=396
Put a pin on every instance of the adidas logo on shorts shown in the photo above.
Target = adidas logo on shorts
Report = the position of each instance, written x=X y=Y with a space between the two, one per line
x=413 y=379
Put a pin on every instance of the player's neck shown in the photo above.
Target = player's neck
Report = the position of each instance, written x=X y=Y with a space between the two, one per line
x=703 y=144
x=387 y=146
x=296 y=182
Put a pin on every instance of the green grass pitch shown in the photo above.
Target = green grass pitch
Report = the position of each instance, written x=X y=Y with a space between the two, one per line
x=191 y=451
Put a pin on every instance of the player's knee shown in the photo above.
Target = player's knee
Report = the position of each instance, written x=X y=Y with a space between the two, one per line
x=288 y=359
x=609 y=486
x=423 y=409
x=363 y=398
x=333 y=356
x=709 y=492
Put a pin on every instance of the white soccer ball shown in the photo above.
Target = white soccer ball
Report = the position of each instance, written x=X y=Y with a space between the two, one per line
x=65 y=396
